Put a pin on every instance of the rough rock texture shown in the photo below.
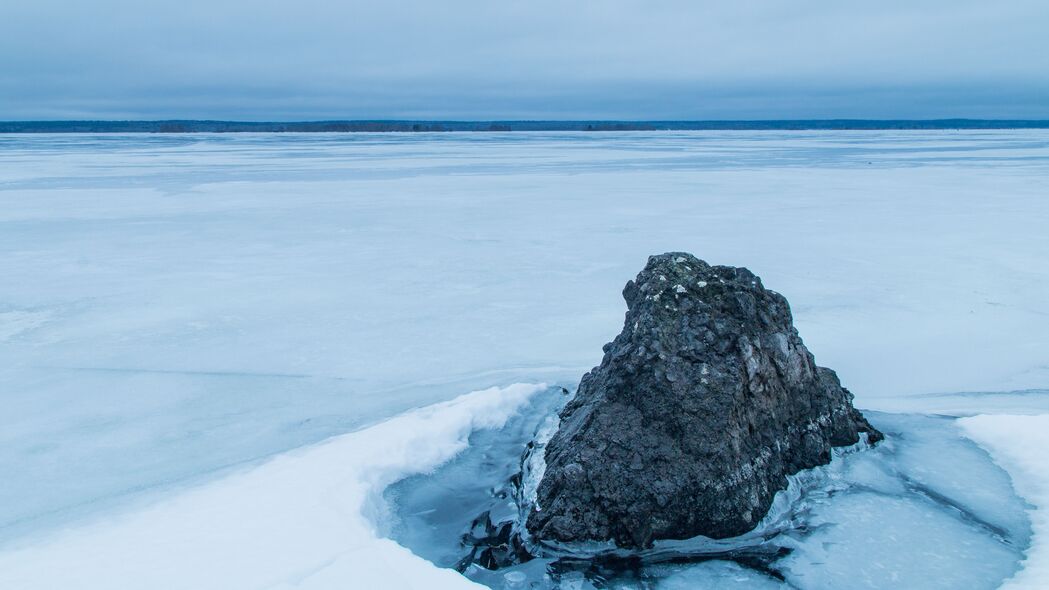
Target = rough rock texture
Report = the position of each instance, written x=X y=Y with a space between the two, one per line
x=699 y=410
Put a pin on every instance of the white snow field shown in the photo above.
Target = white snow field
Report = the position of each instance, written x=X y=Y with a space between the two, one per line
x=177 y=309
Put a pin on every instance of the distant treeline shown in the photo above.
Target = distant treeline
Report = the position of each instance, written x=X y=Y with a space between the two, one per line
x=193 y=126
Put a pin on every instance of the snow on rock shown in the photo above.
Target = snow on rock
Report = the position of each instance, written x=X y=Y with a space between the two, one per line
x=303 y=520
x=1018 y=444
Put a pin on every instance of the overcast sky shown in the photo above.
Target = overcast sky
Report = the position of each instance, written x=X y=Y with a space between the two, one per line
x=552 y=59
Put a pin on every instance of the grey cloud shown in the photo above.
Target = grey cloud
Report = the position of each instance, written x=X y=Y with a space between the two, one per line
x=540 y=59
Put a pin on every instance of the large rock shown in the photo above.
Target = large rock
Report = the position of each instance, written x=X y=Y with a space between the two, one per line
x=699 y=411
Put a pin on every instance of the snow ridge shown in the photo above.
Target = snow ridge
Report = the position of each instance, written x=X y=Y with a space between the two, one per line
x=305 y=519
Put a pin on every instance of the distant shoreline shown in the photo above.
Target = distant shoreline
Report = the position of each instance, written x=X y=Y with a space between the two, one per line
x=408 y=126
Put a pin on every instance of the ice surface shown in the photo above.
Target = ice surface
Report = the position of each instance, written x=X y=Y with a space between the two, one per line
x=967 y=480
x=874 y=541
x=176 y=307
x=1019 y=444
x=717 y=575
x=302 y=520
x=970 y=403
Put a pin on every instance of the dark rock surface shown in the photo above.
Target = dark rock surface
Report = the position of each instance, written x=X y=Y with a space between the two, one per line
x=699 y=410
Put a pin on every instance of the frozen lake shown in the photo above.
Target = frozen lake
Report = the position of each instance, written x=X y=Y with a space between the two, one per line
x=177 y=308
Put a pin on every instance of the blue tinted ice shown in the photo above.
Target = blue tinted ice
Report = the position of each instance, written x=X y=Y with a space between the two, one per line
x=924 y=509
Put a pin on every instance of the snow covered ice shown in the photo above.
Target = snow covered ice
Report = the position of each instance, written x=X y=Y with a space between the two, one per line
x=177 y=309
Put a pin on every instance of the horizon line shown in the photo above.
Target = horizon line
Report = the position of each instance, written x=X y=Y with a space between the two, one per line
x=501 y=125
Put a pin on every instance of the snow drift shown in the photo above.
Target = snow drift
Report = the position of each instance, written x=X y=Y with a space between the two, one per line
x=302 y=520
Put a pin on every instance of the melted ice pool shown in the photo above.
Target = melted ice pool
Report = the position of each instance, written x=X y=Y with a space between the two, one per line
x=926 y=508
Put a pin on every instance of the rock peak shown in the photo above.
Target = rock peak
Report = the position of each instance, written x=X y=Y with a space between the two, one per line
x=700 y=408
